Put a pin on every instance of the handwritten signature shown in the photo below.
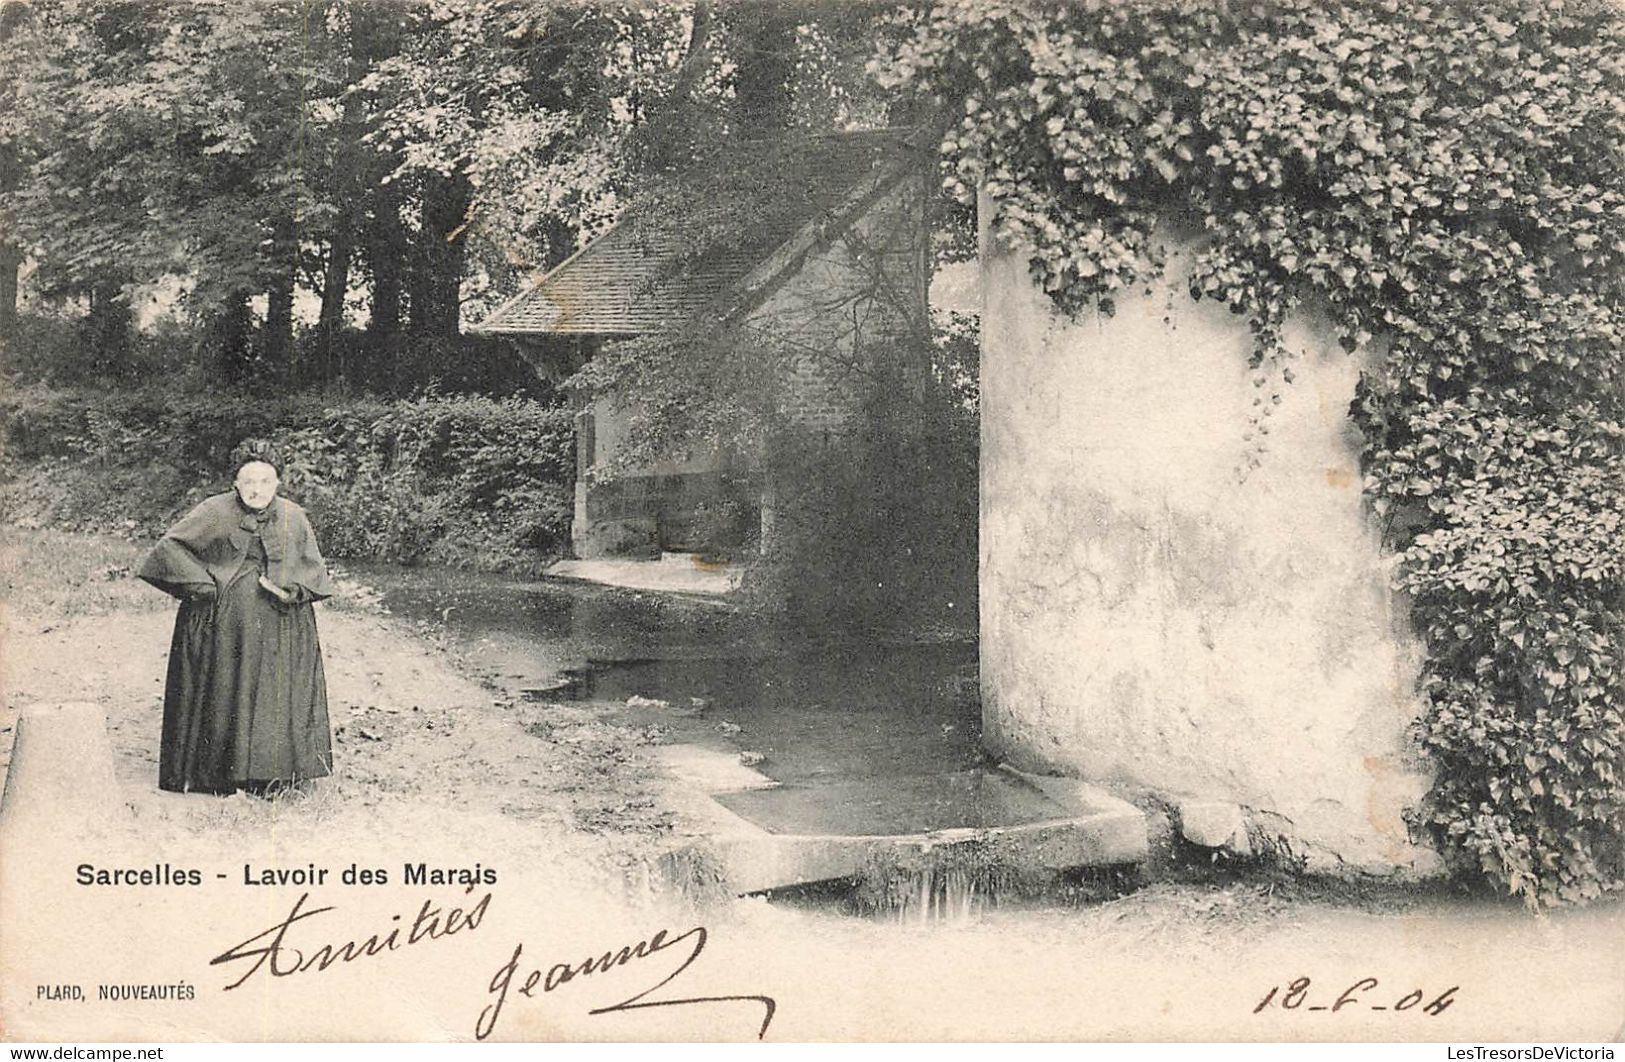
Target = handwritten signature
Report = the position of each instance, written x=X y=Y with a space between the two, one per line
x=560 y=974
x=273 y=952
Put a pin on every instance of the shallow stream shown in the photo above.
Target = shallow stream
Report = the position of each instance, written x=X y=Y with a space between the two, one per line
x=814 y=711
x=864 y=738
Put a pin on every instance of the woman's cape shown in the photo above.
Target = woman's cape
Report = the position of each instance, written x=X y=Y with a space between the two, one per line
x=209 y=543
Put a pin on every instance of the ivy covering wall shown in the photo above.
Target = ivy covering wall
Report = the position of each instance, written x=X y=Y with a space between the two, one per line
x=1447 y=181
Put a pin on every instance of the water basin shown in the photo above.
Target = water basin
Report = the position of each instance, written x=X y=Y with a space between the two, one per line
x=820 y=758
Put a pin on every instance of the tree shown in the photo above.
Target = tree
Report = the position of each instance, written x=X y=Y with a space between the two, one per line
x=557 y=117
x=523 y=104
x=429 y=152
x=16 y=20
x=365 y=32
x=174 y=139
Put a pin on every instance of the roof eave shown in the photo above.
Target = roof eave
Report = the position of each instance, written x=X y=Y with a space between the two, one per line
x=485 y=326
x=760 y=283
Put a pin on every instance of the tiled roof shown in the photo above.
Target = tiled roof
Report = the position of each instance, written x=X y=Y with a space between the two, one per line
x=626 y=282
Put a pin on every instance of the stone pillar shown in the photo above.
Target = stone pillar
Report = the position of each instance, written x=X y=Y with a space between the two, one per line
x=60 y=777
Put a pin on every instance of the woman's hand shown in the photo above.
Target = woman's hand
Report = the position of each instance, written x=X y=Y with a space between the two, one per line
x=284 y=598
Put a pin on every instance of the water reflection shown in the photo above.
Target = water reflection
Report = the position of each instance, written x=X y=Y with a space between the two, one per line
x=801 y=709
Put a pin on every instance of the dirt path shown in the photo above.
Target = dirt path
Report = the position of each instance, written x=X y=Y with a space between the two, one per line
x=410 y=726
x=566 y=813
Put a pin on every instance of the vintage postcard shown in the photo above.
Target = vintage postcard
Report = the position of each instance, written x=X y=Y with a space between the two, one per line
x=737 y=521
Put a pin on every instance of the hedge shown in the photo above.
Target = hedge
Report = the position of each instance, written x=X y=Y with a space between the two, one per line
x=465 y=480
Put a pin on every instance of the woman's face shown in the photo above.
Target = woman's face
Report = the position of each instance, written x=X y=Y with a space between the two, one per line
x=256 y=484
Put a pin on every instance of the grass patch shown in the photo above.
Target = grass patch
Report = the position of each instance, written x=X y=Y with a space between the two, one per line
x=53 y=575
x=59 y=575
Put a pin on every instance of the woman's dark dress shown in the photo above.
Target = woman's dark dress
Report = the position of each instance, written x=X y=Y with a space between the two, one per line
x=245 y=704
x=246 y=699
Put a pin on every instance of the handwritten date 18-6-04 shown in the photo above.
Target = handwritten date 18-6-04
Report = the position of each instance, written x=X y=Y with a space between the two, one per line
x=1361 y=995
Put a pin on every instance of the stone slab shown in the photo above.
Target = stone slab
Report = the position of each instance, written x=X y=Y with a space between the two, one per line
x=675 y=573
x=790 y=835
x=893 y=806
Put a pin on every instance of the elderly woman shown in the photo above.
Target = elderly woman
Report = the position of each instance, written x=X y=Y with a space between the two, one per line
x=245 y=704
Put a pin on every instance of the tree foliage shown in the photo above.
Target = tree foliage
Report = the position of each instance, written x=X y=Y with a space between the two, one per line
x=163 y=138
x=1446 y=180
x=418 y=151
x=409 y=161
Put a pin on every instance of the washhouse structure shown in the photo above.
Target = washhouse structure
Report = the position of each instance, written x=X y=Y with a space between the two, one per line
x=834 y=268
